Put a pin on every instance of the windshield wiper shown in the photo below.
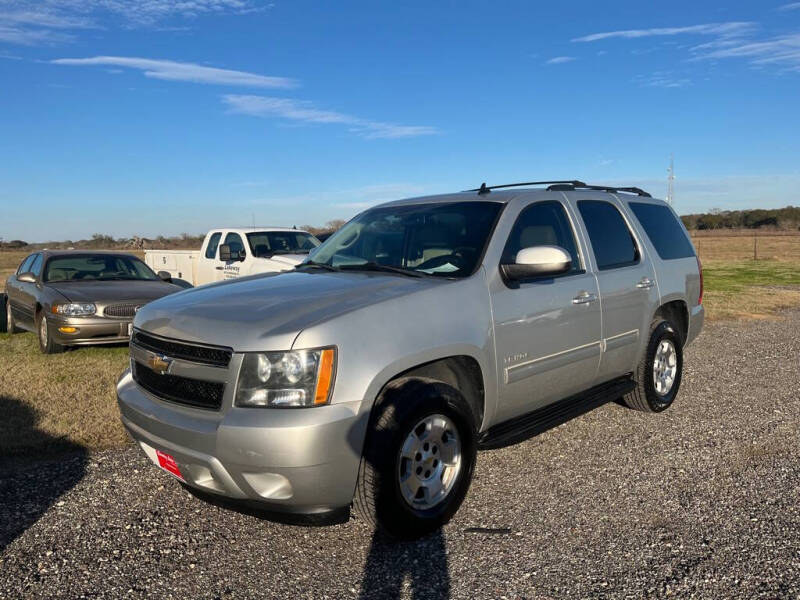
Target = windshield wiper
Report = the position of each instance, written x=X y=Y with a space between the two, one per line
x=318 y=265
x=373 y=266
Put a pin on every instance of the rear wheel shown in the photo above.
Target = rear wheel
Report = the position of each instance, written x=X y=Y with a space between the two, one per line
x=658 y=375
x=418 y=460
x=46 y=343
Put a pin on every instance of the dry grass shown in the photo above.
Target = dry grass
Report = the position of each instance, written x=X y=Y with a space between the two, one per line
x=66 y=401
x=52 y=402
x=738 y=287
x=738 y=246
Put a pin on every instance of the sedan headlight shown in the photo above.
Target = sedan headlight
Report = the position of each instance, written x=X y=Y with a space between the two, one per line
x=286 y=379
x=75 y=309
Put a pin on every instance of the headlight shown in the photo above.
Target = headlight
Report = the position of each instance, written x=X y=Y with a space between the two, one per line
x=75 y=309
x=277 y=379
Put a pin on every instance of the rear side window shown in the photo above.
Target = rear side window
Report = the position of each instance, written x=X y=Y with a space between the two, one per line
x=612 y=241
x=26 y=264
x=542 y=224
x=213 y=242
x=36 y=265
x=663 y=229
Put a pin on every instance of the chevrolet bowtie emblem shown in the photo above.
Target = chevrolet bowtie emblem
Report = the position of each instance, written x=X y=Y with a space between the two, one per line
x=159 y=363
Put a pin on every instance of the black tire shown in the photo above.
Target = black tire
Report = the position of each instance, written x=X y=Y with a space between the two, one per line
x=8 y=324
x=401 y=406
x=645 y=397
x=46 y=343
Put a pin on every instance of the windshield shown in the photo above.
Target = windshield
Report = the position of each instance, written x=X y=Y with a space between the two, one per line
x=268 y=243
x=96 y=267
x=444 y=239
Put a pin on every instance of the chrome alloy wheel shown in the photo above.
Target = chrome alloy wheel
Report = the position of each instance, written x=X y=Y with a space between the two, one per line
x=665 y=367
x=43 y=331
x=9 y=317
x=430 y=461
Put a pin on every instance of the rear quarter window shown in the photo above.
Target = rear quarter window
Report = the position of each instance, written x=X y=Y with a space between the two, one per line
x=665 y=232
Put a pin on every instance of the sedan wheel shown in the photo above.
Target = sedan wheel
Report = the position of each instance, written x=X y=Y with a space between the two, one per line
x=46 y=344
x=11 y=326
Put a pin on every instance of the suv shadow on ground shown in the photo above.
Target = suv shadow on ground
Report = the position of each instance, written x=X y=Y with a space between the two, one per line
x=31 y=484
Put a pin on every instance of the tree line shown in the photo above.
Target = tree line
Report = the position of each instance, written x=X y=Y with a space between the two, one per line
x=787 y=218
x=101 y=241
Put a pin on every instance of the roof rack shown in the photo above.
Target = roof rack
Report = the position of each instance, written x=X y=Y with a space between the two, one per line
x=484 y=189
x=564 y=186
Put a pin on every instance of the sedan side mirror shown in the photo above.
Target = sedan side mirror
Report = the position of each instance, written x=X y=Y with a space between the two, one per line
x=165 y=276
x=26 y=277
x=538 y=261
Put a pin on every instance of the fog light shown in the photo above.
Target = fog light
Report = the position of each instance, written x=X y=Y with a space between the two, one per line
x=68 y=329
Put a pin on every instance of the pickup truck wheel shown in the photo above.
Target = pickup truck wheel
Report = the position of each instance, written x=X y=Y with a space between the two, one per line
x=658 y=375
x=418 y=459
x=46 y=343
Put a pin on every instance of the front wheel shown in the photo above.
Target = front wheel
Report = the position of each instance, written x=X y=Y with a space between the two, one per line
x=658 y=375
x=8 y=324
x=418 y=460
x=46 y=343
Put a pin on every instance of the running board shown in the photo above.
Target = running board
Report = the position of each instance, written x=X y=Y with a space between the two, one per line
x=542 y=419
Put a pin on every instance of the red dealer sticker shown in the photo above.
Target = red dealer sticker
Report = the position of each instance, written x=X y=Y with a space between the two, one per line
x=168 y=464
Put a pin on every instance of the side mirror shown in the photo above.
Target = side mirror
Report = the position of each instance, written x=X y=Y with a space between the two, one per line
x=26 y=277
x=227 y=255
x=538 y=261
x=165 y=276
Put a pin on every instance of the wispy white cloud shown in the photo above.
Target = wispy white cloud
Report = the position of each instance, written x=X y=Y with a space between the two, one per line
x=784 y=51
x=735 y=39
x=559 y=60
x=305 y=112
x=790 y=6
x=49 y=21
x=24 y=36
x=662 y=79
x=732 y=28
x=180 y=71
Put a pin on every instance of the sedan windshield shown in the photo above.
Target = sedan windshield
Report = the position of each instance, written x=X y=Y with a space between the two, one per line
x=96 y=267
x=269 y=243
x=442 y=239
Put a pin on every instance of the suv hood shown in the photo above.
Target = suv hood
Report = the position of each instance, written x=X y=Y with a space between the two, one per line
x=113 y=291
x=267 y=312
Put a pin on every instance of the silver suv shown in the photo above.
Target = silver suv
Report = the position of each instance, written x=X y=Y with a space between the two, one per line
x=422 y=331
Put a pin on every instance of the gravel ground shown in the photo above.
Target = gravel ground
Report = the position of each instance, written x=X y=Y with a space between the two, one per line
x=701 y=501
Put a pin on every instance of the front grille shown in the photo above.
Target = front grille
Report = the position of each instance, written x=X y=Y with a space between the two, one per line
x=208 y=355
x=121 y=310
x=192 y=392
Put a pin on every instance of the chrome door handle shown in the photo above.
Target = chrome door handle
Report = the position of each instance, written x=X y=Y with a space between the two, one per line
x=645 y=283
x=584 y=298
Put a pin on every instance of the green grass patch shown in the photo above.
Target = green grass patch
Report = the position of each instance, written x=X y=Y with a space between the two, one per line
x=732 y=277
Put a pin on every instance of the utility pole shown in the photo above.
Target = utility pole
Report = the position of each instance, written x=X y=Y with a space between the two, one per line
x=671 y=180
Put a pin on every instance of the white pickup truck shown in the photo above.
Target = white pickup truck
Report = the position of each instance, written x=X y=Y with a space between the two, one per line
x=234 y=252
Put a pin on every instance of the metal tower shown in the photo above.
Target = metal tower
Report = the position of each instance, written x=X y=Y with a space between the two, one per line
x=671 y=180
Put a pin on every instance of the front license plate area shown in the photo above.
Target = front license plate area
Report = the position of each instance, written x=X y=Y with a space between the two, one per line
x=167 y=462
x=130 y=329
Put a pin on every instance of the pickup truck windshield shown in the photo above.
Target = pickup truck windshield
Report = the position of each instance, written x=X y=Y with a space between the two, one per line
x=442 y=239
x=96 y=267
x=268 y=243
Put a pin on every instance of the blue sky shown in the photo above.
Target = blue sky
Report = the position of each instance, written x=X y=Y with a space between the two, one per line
x=159 y=117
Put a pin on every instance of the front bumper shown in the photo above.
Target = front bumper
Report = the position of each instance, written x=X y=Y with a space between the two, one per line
x=288 y=460
x=90 y=330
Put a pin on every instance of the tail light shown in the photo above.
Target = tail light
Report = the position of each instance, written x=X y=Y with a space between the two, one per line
x=700 y=269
